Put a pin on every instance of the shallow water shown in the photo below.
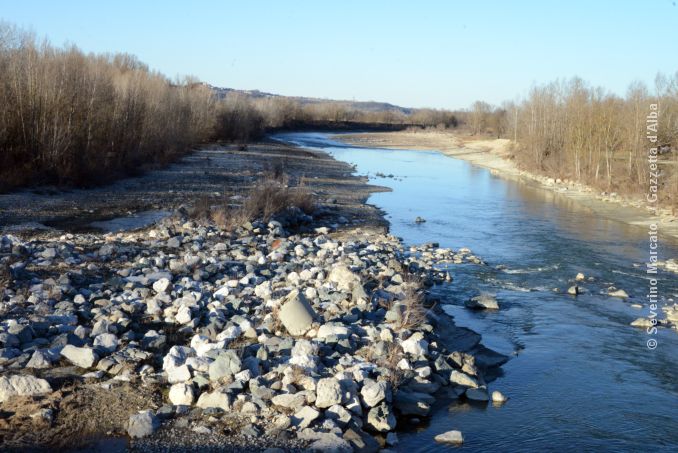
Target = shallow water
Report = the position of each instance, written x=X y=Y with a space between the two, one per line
x=132 y=222
x=580 y=377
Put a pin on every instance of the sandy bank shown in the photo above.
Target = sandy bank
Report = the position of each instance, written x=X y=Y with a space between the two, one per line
x=493 y=155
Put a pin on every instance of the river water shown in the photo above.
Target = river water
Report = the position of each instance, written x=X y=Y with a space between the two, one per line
x=580 y=378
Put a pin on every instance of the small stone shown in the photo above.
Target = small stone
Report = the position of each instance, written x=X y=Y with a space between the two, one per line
x=181 y=395
x=580 y=277
x=162 y=285
x=498 y=397
x=574 y=290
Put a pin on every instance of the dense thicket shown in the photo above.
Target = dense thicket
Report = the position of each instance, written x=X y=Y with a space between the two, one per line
x=71 y=118
x=574 y=131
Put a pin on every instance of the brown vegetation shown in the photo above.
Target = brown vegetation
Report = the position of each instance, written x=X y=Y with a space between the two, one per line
x=270 y=196
x=570 y=130
x=71 y=118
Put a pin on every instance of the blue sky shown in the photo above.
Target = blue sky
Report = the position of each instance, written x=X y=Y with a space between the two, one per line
x=442 y=54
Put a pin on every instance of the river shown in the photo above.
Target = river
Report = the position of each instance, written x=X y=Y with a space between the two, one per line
x=580 y=378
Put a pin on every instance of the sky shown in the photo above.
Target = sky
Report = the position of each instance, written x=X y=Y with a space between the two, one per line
x=440 y=54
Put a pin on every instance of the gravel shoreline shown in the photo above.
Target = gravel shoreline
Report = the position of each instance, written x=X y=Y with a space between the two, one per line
x=303 y=333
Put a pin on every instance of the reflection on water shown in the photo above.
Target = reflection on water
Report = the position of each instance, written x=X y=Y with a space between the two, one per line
x=580 y=378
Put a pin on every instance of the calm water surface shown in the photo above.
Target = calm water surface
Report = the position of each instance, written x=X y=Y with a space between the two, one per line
x=580 y=377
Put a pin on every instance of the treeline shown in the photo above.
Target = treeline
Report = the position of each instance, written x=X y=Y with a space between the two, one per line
x=71 y=118
x=242 y=117
x=570 y=130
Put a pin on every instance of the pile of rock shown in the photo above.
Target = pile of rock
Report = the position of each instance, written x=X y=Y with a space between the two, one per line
x=302 y=333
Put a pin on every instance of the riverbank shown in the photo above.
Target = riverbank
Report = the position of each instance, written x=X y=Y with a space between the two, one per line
x=308 y=331
x=493 y=154
x=210 y=175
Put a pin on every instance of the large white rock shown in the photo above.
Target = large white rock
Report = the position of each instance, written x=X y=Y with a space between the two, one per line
x=296 y=313
x=327 y=330
x=328 y=393
x=39 y=360
x=178 y=374
x=107 y=342
x=142 y=424
x=459 y=378
x=374 y=392
x=482 y=302
x=82 y=357
x=415 y=345
x=22 y=385
x=292 y=401
x=217 y=399
x=181 y=395
x=343 y=278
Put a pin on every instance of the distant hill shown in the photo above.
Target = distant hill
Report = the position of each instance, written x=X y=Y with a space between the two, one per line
x=366 y=106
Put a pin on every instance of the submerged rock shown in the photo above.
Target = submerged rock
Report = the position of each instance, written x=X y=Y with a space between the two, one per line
x=482 y=302
x=450 y=437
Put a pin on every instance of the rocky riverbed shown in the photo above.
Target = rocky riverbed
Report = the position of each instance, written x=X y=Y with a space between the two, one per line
x=306 y=332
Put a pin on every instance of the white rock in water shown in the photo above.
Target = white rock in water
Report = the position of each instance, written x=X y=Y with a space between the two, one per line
x=642 y=322
x=82 y=357
x=181 y=395
x=620 y=293
x=498 y=397
x=459 y=378
x=482 y=302
x=20 y=385
x=580 y=277
x=450 y=437
x=574 y=290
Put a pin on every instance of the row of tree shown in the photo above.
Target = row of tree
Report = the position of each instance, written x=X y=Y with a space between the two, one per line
x=568 y=129
x=71 y=118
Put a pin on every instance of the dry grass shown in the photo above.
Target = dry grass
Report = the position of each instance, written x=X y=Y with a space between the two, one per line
x=267 y=198
x=413 y=312
x=390 y=361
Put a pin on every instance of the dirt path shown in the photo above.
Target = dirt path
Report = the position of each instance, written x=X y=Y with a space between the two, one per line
x=214 y=171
